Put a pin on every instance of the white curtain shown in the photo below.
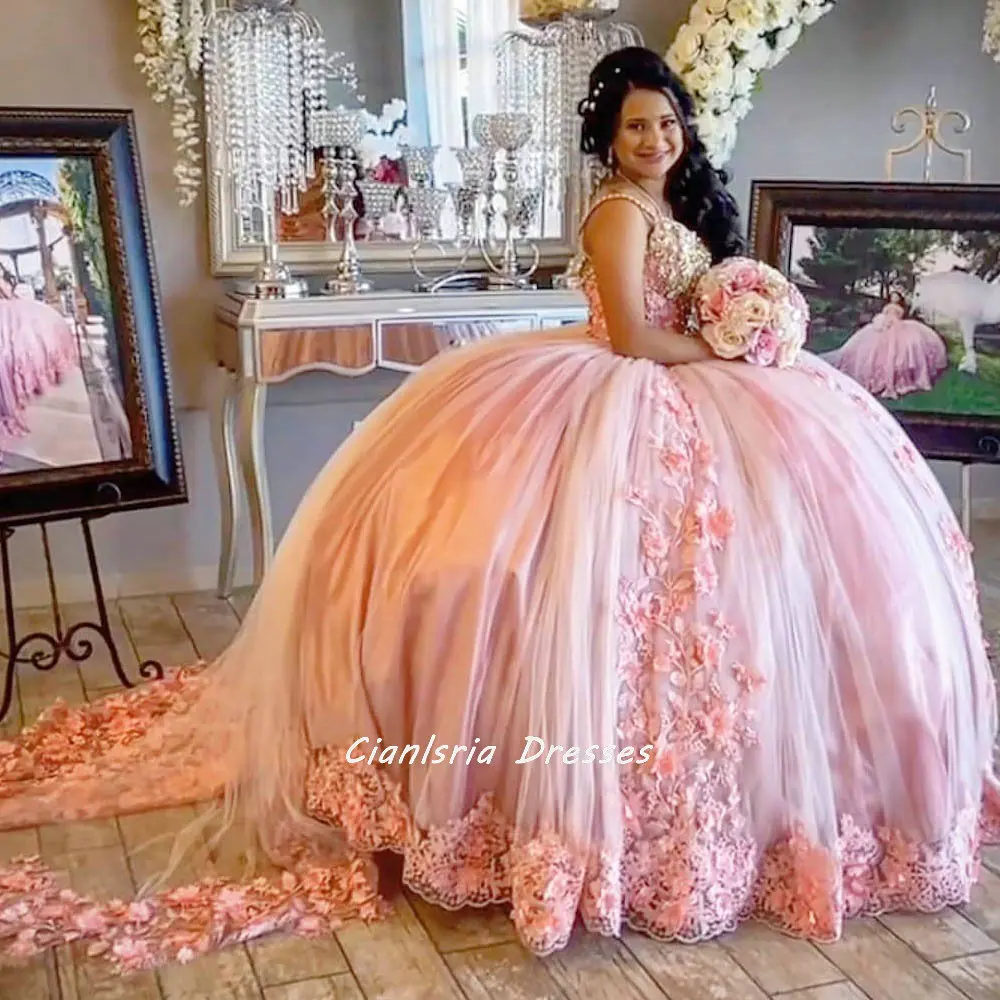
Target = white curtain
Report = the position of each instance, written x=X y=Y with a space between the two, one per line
x=488 y=20
x=443 y=94
x=434 y=76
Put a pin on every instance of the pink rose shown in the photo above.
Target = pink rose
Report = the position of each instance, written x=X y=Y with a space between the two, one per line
x=764 y=350
x=744 y=277
x=714 y=305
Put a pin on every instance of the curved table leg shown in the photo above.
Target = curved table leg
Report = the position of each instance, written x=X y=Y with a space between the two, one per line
x=224 y=447
x=251 y=450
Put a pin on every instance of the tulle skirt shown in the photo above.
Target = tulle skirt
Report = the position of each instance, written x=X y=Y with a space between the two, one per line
x=581 y=634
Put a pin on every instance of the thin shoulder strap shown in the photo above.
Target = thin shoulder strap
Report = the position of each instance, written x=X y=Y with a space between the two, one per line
x=647 y=210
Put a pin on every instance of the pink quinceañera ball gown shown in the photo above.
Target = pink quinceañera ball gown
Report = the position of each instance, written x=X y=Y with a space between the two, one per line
x=666 y=647
x=893 y=356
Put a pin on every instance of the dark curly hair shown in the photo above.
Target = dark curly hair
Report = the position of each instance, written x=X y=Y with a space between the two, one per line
x=695 y=190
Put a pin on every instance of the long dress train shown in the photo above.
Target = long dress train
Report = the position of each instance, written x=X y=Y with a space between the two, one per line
x=582 y=634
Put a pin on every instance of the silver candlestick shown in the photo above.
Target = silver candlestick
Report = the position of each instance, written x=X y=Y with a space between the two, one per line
x=511 y=131
x=339 y=133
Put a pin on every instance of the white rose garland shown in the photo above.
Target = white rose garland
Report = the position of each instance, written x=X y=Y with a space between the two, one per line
x=722 y=48
x=170 y=57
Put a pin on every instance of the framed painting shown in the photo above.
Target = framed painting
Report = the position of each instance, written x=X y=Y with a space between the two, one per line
x=87 y=421
x=902 y=285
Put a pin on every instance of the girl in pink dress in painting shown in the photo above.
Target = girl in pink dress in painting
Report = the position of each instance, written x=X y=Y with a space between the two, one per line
x=894 y=354
x=37 y=349
x=583 y=621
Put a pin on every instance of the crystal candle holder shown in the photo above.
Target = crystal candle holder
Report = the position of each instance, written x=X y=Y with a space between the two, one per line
x=339 y=131
x=419 y=162
x=338 y=127
x=481 y=131
x=426 y=206
x=510 y=130
x=379 y=197
x=475 y=166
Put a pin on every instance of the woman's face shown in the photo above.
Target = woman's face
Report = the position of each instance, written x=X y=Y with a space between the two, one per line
x=650 y=137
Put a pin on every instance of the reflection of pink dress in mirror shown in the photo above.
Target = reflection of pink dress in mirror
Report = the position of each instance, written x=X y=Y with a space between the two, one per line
x=745 y=574
x=893 y=356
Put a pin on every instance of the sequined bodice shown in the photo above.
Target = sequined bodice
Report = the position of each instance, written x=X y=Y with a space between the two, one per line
x=675 y=259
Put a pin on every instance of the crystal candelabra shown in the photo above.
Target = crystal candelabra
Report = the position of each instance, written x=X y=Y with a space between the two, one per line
x=266 y=71
x=544 y=72
x=338 y=133
x=475 y=200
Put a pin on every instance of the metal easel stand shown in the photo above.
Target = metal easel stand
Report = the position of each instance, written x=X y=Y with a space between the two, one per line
x=72 y=642
x=929 y=121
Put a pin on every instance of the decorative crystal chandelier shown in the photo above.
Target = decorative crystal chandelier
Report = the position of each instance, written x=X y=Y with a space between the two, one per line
x=266 y=72
x=543 y=71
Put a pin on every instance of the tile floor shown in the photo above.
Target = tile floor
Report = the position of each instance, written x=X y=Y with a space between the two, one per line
x=425 y=954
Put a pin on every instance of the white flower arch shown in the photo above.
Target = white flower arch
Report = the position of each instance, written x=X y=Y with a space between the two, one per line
x=724 y=46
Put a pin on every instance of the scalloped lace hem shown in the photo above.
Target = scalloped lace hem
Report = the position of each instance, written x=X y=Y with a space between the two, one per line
x=671 y=887
x=676 y=886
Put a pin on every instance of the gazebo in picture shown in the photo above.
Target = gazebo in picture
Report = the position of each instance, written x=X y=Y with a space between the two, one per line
x=55 y=322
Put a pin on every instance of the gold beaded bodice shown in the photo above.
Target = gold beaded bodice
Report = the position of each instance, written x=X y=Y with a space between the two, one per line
x=675 y=259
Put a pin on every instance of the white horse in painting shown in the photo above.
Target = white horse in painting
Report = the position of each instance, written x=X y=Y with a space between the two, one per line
x=964 y=299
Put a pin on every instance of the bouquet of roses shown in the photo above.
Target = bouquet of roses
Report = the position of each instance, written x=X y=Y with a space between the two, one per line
x=743 y=308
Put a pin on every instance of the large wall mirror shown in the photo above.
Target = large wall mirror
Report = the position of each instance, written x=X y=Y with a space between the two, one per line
x=428 y=71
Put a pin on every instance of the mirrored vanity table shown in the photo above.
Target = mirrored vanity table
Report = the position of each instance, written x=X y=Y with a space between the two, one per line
x=436 y=155
x=261 y=342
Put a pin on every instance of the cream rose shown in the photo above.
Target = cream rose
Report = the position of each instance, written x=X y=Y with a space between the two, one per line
x=726 y=338
x=687 y=45
x=720 y=63
x=700 y=19
x=720 y=35
x=700 y=79
x=740 y=108
x=757 y=57
x=752 y=311
x=778 y=13
x=787 y=37
x=745 y=15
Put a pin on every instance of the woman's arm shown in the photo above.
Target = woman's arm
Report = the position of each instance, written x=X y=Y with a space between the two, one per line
x=614 y=240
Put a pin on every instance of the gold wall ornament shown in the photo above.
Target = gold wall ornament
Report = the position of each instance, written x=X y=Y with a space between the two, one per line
x=929 y=121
